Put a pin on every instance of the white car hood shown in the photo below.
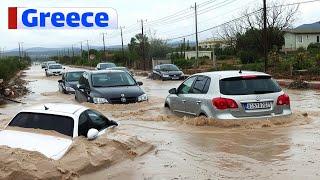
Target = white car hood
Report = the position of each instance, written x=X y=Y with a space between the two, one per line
x=50 y=146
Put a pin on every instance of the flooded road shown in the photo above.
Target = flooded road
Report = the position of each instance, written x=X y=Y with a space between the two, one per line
x=197 y=148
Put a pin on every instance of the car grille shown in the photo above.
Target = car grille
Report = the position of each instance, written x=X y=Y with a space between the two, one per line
x=118 y=100
x=174 y=75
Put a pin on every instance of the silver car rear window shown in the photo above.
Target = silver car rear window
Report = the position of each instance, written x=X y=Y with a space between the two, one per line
x=246 y=85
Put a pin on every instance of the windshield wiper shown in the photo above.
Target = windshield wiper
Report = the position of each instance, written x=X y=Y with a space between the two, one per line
x=263 y=92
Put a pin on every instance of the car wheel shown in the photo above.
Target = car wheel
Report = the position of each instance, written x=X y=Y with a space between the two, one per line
x=166 y=105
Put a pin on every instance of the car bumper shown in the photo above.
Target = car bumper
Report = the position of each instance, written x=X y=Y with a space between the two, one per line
x=229 y=116
x=173 y=78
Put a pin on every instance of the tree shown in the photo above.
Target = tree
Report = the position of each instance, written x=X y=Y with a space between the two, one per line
x=279 y=17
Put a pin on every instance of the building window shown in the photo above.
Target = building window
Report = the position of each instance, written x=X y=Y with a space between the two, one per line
x=318 y=39
x=300 y=39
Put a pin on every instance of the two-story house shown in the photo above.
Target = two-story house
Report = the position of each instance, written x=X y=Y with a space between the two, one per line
x=302 y=36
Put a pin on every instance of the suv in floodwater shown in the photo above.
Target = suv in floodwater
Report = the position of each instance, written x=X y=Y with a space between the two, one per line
x=69 y=81
x=167 y=72
x=54 y=70
x=103 y=66
x=109 y=86
x=229 y=95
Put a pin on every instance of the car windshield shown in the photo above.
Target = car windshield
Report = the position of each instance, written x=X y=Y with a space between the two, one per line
x=169 y=67
x=57 y=66
x=73 y=76
x=50 y=122
x=248 y=85
x=107 y=65
x=112 y=79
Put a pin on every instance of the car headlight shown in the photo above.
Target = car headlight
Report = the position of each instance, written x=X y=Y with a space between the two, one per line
x=99 y=100
x=143 y=97
x=165 y=75
x=69 y=89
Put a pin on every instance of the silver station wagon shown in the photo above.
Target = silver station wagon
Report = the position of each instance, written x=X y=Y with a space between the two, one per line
x=229 y=95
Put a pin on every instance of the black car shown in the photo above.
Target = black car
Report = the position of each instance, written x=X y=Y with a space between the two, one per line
x=106 y=65
x=69 y=81
x=109 y=86
x=167 y=72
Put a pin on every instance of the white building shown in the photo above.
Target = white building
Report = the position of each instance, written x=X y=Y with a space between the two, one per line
x=302 y=36
x=211 y=43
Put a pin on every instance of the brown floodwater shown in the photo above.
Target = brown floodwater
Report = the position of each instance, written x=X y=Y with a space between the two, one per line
x=199 y=148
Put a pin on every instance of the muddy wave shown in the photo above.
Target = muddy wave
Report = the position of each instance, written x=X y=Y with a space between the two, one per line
x=154 y=110
x=83 y=157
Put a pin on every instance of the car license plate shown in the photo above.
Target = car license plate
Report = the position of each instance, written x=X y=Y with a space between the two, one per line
x=258 y=105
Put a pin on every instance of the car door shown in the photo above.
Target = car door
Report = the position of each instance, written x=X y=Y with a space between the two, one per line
x=195 y=99
x=93 y=119
x=178 y=100
x=63 y=83
x=82 y=94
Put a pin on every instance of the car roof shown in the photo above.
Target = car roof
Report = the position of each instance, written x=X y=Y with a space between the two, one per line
x=74 y=70
x=55 y=64
x=52 y=108
x=232 y=73
x=106 y=71
x=107 y=63
x=166 y=64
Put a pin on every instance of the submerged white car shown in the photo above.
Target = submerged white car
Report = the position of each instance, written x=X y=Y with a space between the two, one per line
x=50 y=129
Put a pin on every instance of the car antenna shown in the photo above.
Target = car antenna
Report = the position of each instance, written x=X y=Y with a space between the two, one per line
x=240 y=72
x=45 y=107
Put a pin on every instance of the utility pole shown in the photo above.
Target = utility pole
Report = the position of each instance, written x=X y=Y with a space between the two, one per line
x=197 y=42
x=143 y=46
x=104 y=46
x=19 y=52
x=72 y=50
x=265 y=36
x=81 y=49
x=88 y=50
x=122 y=49
x=184 y=48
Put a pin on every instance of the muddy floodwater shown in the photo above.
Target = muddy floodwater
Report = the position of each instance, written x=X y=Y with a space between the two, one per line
x=177 y=147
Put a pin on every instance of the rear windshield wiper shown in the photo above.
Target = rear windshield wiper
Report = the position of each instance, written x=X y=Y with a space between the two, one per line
x=263 y=92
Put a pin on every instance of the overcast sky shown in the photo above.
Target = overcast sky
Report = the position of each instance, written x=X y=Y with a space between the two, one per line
x=129 y=12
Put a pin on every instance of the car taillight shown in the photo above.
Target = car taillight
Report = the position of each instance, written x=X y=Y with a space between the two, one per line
x=283 y=100
x=224 y=103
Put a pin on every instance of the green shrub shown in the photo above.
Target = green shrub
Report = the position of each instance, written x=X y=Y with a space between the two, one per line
x=247 y=57
x=10 y=66
x=314 y=48
x=183 y=63
x=253 y=67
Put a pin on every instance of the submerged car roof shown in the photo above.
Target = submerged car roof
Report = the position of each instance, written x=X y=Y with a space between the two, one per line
x=233 y=73
x=55 y=107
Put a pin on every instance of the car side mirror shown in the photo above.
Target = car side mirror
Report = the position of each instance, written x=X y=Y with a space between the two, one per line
x=140 y=83
x=46 y=69
x=64 y=68
x=60 y=81
x=92 y=134
x=173 y=91
x=80 y=86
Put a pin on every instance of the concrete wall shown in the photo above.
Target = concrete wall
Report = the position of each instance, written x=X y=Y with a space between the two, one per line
x=193 y=54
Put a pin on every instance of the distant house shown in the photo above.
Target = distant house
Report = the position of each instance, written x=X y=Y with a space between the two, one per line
x=193 y=54
x=211 y=43
x=301 y=36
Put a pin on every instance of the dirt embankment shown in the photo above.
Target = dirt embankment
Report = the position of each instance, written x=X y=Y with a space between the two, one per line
x=14 y=88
